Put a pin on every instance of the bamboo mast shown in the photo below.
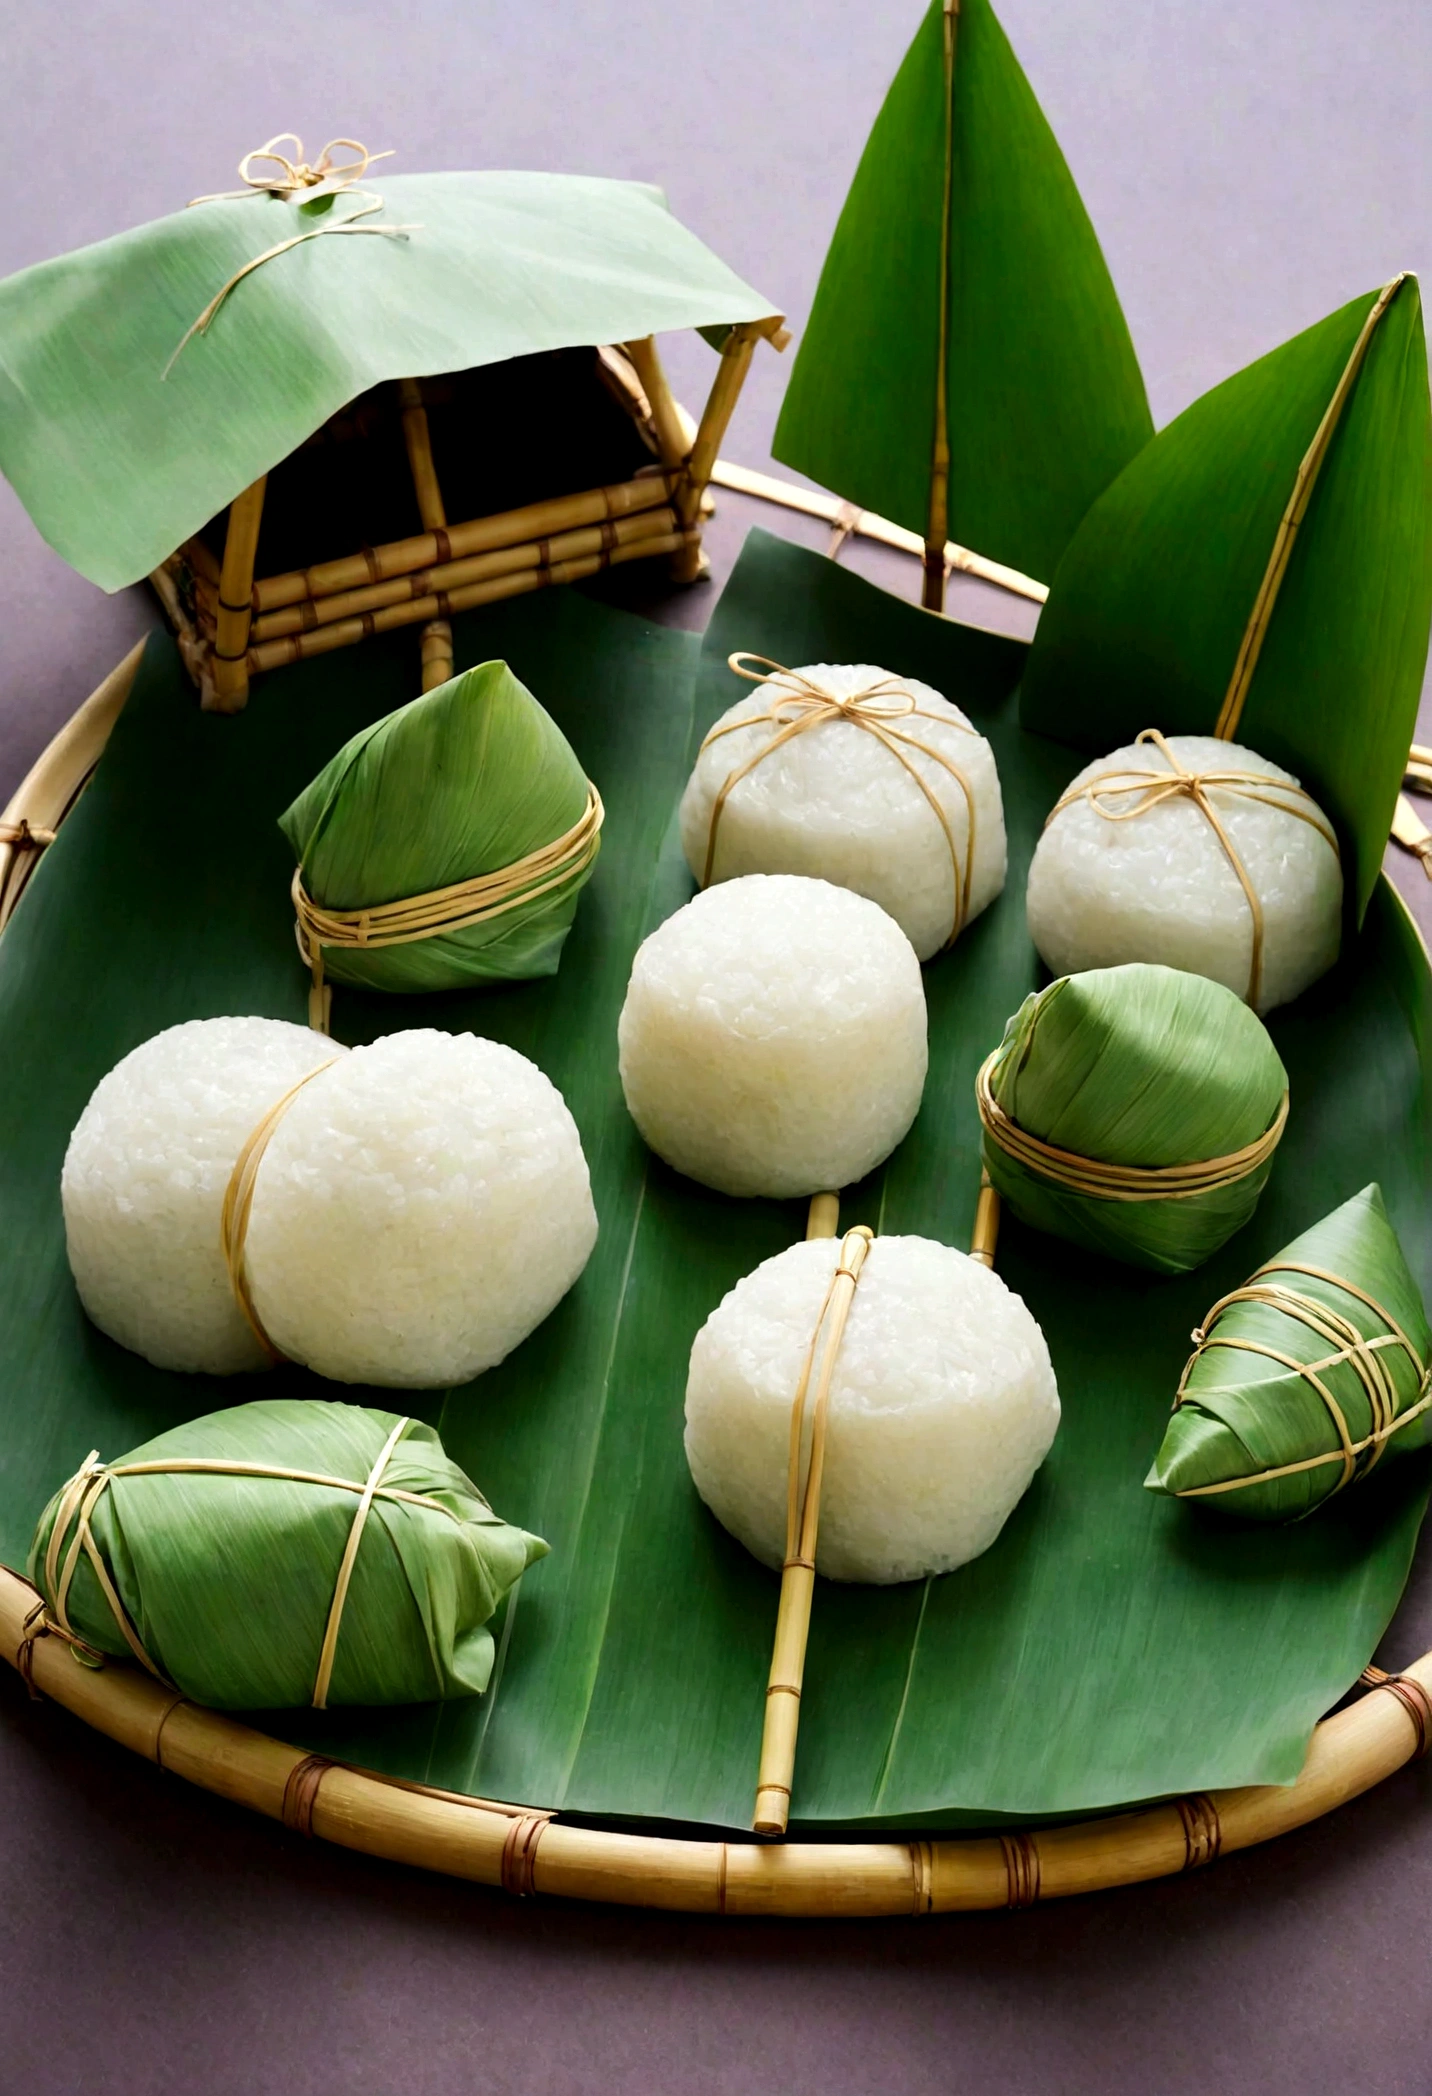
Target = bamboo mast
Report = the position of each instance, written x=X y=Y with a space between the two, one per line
x=736 y=355
x=937 y=530
x=436 y=636
x=236 y=606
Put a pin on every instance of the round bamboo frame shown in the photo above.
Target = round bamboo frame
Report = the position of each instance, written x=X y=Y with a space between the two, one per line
x=526 y=1851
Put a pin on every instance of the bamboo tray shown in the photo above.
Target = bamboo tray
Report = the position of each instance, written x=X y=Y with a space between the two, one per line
x=527 y=1850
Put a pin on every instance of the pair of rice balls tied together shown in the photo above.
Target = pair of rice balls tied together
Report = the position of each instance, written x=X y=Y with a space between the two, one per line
x=774 y=1042
x=421 y=1205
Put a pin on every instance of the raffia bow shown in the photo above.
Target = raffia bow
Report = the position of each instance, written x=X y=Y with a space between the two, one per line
x=1154 y=789
x=804 y=704
x=295 y=181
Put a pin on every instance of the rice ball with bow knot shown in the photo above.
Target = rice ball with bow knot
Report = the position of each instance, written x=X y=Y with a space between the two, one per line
x=850 y=774
x=1194 y=853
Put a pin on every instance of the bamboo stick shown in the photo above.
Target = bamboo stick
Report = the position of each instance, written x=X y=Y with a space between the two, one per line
x=299 y=647
x=672 y=438
x=824 y=1217
x=783 y=1690
x=429 y=582
x=814 y=502
x=938 y=528
x=201 y=561
x=725 y=390
x=986 y=1231
x=230 y=674
x=474 y=1839
x=436 y=636
x=510 y=527
x=1304 y=482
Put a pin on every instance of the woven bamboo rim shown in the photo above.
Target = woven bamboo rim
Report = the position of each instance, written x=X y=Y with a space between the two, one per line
x=525 y=1851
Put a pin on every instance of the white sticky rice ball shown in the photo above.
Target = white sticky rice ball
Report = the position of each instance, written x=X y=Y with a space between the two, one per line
x=419 y=1210
x=144 y=1178
x=943 y=1405
x=773 y=1037
x=833 y=802
x=1160 y=887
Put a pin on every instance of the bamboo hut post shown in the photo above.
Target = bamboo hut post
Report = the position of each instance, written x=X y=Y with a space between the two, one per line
x=230 y=687
x=436 y=636
x=691 y=562
x=673 y=440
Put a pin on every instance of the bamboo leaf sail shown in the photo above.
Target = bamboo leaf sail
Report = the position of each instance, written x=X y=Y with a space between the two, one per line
x=1029 y=368
x=1161 y=614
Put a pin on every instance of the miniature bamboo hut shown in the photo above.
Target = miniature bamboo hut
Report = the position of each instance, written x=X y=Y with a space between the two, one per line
x=303 y=440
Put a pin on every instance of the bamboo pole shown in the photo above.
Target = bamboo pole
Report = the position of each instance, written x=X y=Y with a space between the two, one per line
x=783 y=1690
x=725 y=391
x=299 y=647
x=536 y=520
x=814 y=502
x=436 y=636
x=429 y=582
x=824 y=1217
x=938 y=529
x=673 y=440
x=230 y=690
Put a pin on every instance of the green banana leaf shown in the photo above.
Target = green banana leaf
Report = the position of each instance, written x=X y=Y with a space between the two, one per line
x=228 y=1581
x=1245 y=1409
x=1151 y=603
x=463 y=781
x=1141 y=1066
x=117 y=462
x=1045 y=402
x=1108 y=1648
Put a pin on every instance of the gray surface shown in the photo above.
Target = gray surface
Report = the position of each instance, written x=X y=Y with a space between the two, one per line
x=1249 y=169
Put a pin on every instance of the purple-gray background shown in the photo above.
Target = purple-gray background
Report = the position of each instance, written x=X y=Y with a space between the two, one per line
x=1248 y=169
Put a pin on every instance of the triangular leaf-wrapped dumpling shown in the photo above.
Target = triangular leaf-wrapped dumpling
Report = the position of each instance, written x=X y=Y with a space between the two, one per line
x=1306 y=1377
x=467 y=782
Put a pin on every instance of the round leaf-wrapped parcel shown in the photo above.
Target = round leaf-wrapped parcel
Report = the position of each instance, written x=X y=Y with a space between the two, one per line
x=447 y=844
x=1135 y=1111
x=282 y=1553
x=1306 y=1377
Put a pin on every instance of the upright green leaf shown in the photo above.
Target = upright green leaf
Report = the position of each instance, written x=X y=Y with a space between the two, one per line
x=1169 y=610
x=1042 y=396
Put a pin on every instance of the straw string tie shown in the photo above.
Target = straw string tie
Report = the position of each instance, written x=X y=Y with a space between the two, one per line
x=295 y=181
x=801 y=703
x=1124 y=795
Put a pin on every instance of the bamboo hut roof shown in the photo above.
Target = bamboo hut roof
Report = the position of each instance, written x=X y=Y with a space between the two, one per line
x=120 y=450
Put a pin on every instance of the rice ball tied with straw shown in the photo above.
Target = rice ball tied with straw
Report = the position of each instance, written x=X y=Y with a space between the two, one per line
x=401 y=1214
x=1134 y=1111
x=773 y=1037
x=848 y=773
x=1194 y=853
x=444 y=846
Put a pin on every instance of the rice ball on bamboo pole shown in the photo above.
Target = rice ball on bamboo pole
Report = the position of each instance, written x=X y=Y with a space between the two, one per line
x=1194 y=853
x=1134 y=1111
x=942 y=1406
x=852 y=775
x=143 y=1183
x=773 y=1038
